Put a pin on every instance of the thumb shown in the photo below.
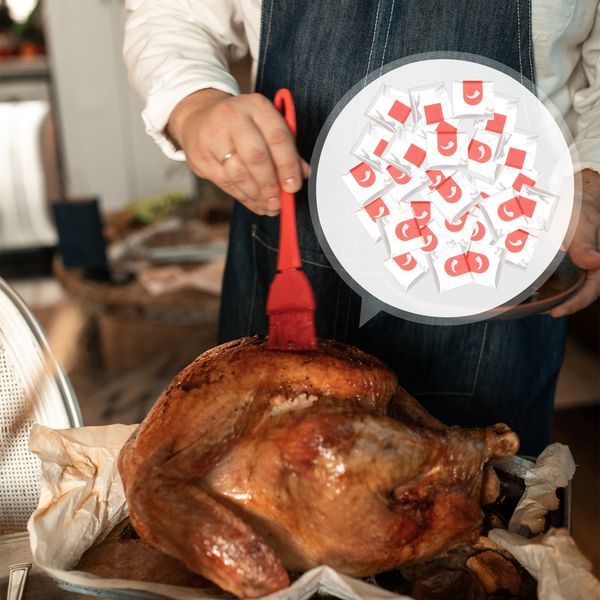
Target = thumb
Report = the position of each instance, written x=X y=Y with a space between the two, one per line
x=305 y=168
x=584 y=247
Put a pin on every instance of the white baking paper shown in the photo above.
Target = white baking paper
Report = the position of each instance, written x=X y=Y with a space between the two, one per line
x=81 y=492
x=82 y=499
x=553 y=469
x=553 y=559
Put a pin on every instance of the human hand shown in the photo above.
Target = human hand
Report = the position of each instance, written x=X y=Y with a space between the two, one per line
x=584 y=249
x=240 y=143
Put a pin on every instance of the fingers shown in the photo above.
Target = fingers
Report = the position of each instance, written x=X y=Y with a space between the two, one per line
x=232 y=172
x=264 y=156
x=584 y=247
x=282 y=145
x=215 y=171
x=305 y=169
x=250 y=203
x=584 y=297
x=584 y=252
x=252 y=168
x=234 y=177
x=238 y=176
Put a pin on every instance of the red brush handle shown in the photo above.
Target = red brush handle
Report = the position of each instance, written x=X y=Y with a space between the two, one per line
x=289 y=255
x=284 y=103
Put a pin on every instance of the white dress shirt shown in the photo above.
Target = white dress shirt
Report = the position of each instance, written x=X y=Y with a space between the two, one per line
x=176 y=47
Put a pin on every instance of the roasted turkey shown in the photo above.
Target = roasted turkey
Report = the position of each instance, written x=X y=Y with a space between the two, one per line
x=254 y=461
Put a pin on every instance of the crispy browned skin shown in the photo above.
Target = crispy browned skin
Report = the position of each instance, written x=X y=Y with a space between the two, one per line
x=253 y=461
x=122 y=555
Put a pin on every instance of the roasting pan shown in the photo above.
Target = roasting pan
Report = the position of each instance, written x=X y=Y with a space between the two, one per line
x=514 y=467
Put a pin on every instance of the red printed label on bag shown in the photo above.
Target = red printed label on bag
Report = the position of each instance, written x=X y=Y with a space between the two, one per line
x=415 y=155
x=515 y=241
x=446 y=139
x=405 y=261
x=479 y=152
x=479 y=232
x=433 y=113
x=449 y=190
x=472 y=92
x=457 y=225
x=430 y=240
x=456 y=265
x=478 y=263
x=436 y=176
x=377 y=209
x=422 y=211
x=363 y=175
x=399 y=111
x=510 y=210
x=408 y=230
x=381 y=146
x=515 y=158
x=398 y=176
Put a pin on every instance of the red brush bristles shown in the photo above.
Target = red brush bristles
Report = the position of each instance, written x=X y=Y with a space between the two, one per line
x=292 y=331
x=291 y=309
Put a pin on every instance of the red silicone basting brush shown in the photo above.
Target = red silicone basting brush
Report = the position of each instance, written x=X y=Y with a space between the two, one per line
x=291 y=302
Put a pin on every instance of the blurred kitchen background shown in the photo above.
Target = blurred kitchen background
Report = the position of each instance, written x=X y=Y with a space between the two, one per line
x=71 y=132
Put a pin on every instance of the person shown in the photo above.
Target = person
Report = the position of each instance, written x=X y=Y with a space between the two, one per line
x=177 y=53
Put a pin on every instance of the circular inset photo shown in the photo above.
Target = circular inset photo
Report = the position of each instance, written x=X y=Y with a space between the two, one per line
x=443 y=189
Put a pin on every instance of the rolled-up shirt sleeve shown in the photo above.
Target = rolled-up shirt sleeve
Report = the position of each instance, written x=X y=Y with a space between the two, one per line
x=176 y=47
x=586 y=102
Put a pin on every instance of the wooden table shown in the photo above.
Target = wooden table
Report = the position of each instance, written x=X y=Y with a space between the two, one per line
x=14 y=548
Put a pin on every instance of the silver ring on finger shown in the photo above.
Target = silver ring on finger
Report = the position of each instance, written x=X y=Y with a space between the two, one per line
x=228 y=155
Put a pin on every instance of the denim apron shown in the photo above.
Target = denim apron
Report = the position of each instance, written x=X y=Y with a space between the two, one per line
x=471 y=375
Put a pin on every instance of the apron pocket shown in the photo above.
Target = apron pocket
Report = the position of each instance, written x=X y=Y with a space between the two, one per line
x=308 y=257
